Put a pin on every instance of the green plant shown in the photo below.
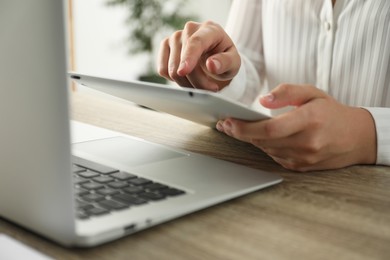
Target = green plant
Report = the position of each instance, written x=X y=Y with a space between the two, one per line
x=146 y=18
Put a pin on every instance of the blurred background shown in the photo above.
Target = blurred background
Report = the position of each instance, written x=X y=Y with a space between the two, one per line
x=120 y=38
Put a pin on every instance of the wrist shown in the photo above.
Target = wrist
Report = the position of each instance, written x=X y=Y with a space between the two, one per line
x=366 y=150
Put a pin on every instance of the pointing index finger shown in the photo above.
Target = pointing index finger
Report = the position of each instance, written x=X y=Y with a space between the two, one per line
x=209 y=38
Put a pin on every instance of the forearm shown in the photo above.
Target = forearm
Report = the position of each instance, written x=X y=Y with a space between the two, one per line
x=245 y=28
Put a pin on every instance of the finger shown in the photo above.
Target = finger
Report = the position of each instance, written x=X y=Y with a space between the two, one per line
x=209 y=36
x=287 y=164
x=227 y=64
x=291 y=95
x=289 y=152
x=174 y=54
x=163 y=59
x=174 y=60
x=184 y=82
x=199 y=79
x=167 y=60
x=297 y=163
x=296 y=154
x=225 y=126
x=296 y=147
x=282 y=126
x=291 y=164
x=223 y=66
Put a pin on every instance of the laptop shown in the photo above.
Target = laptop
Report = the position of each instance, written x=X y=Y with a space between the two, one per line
x=77 y=184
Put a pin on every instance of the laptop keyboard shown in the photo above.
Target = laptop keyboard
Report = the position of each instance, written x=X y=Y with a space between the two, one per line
x=100 y=189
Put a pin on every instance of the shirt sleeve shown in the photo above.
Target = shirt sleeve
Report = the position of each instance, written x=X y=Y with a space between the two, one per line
x=245 y=28
x=382 y=123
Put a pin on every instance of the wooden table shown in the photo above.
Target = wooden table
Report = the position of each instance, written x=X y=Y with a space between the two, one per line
x=338 y=214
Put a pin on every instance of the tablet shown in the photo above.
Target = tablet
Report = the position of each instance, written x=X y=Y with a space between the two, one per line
x=200 y=106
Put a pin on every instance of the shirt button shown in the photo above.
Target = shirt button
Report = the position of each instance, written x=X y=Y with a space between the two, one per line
x=327 y=26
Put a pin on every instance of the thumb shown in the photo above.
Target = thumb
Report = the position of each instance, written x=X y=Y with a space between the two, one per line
x=222 y=66
x=291 y=95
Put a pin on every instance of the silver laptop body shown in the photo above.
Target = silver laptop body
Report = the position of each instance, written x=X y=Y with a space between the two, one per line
x=36 y=184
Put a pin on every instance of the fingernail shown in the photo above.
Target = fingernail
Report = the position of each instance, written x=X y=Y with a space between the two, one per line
x=269 y=97
x=182 y=66
x=220 y=126
x=214 y=87
x=227 y=126
x=217 y=65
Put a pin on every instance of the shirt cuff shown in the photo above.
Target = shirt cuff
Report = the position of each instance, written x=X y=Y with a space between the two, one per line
x=382 y=124
x=235 y=90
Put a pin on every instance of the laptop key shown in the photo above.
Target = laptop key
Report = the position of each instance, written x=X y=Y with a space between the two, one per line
x=152 y=196
x=77 y=169
x=171 y=192
x=97 y=167
x=82 y=215
x=83 y=205
x=129 y=199
x=139 y=181
x=93 y=197
x=118 y=184
x=107 y=191
x=133 y=189
x=80 y=180
x=123 y=176
x=103 y=179
x=92 y=186
x=88 y=174
x=112 y=205
x=96 y=211
x=155 y=186
x=81 y=192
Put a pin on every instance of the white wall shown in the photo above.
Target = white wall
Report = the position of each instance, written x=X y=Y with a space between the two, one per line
x=100 y=36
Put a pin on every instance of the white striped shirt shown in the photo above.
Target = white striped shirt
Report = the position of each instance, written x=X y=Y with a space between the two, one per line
x=342 y=49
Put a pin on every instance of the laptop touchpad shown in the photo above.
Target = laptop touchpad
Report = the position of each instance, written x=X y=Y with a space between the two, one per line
x=127 y=151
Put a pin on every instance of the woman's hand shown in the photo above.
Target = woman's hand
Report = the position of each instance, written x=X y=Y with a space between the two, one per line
x=202 y=55
x=318 y=134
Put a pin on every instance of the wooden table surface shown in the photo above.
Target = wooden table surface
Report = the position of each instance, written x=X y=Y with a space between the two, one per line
x=338 y=214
